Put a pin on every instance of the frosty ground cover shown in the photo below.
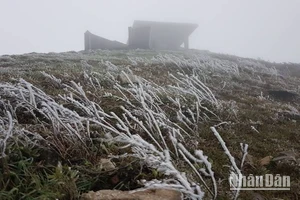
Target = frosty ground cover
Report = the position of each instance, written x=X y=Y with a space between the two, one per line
x=79 y=121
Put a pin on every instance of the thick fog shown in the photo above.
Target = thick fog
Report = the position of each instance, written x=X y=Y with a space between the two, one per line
x=267 y=29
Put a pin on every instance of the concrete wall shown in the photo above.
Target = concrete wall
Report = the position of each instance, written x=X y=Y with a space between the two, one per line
x=154 y=38
x=92 y=42
x=167 y=35
x=139 y=37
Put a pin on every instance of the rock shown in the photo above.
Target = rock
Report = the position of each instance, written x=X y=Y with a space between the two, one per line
x=290 y=115
x=282 y=95
x=158 y=194
x=266 y=160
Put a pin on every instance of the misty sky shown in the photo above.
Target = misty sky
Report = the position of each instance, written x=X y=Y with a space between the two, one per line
x=267 y=29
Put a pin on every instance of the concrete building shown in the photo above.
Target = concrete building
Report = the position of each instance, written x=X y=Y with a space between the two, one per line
x=146 y=35
x=160 y=35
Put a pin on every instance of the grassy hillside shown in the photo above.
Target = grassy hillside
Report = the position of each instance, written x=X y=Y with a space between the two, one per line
x=74 y=122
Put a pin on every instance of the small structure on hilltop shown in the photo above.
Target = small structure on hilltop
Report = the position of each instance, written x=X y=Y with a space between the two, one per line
x=160 y=35
x=146 y=35
x=92 y=42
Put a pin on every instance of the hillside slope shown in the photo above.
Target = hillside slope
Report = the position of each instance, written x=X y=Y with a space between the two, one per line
x=74 y=122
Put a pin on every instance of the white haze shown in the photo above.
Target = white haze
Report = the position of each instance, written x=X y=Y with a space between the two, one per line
x=267 y=29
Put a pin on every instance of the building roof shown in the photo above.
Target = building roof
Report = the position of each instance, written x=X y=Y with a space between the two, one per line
x=180 y=28
x=185 y=28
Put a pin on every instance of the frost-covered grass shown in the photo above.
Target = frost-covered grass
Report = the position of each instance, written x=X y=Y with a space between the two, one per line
x=177 y=120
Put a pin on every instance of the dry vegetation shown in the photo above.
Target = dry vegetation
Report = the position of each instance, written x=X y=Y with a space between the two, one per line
x=74 y=122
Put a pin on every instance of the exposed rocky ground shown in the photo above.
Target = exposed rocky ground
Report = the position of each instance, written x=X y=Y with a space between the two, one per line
x=73 y=123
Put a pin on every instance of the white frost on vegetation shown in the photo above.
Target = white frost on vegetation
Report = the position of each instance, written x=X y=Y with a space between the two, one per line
x=156 y=137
